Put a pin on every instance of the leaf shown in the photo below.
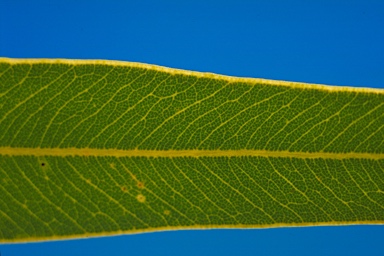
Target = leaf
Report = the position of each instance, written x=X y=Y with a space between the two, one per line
x=91 y=148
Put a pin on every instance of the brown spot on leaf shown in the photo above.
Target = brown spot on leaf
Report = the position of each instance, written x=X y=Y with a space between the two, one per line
x=140 y=198
x=140 y=185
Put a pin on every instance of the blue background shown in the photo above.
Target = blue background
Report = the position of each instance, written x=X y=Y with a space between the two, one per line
x=329 y=42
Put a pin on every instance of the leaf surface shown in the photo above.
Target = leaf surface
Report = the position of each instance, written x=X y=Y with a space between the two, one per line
x=91 y=148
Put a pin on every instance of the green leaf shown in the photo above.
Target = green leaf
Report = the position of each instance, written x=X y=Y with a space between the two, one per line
x=91 y=148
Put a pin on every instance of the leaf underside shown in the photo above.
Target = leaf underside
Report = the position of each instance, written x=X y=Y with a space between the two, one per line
x=91 y=148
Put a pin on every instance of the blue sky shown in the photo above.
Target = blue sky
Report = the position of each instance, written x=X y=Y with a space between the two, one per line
x=328 y=42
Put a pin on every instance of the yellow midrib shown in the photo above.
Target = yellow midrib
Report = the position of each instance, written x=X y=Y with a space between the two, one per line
x=14 y=151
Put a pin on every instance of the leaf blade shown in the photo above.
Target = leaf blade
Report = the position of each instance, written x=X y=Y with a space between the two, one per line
x=227 y=152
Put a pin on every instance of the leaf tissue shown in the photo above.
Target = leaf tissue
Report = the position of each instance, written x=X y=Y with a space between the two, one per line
x=90 y=148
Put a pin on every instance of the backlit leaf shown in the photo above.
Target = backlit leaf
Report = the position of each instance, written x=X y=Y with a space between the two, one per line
x=91 y=148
